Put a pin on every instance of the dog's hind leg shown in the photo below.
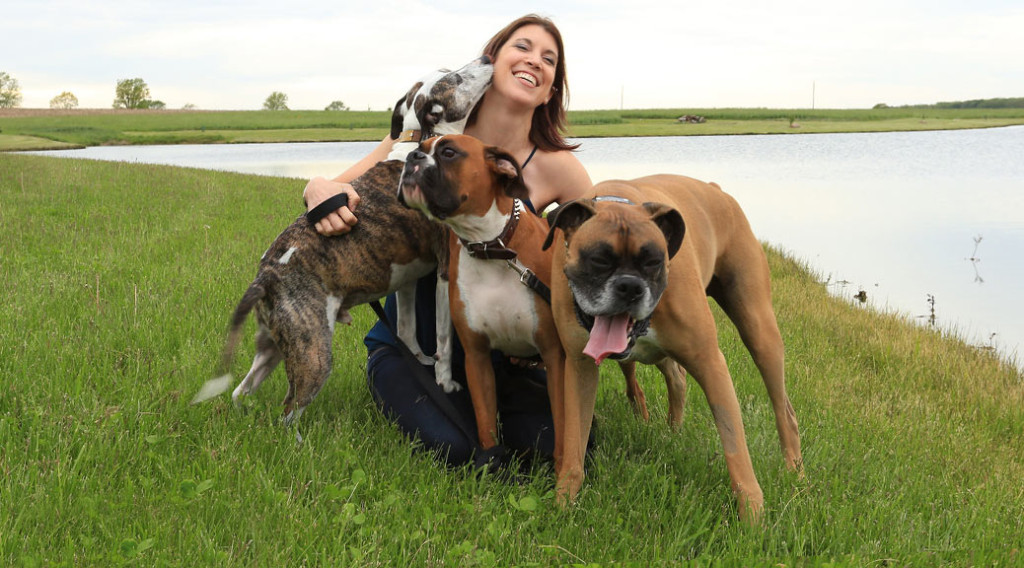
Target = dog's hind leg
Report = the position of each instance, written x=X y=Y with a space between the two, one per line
x=745 y=296
x=634 y=392
x=675 y=381
x=307 y=360
x=268 y=356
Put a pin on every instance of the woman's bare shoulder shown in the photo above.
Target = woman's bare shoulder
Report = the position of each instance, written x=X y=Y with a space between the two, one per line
x=558 y=177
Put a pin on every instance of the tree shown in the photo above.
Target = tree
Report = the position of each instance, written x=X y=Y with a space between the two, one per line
x=64 y=100
x=132 y=93
x=155 y=105
x=276 y=101
x=337 y=105
x=10 y=92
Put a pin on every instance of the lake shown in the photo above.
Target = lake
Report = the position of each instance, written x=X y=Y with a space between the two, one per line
x=928 y=224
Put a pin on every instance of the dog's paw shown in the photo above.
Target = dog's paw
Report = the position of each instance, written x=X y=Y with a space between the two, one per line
x=448 y=385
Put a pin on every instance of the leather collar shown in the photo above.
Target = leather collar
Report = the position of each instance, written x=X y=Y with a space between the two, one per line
x=416 y=136
x=495 y=249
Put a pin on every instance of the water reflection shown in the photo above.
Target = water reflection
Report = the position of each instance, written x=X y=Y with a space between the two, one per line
x=927 y=223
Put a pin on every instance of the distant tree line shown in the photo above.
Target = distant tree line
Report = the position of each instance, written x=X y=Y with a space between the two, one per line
x=979 y=103
x=130 y=94
x=985 y=103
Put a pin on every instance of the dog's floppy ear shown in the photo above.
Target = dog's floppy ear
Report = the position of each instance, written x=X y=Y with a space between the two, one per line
x=509 y=174
x=397 y=116
x=670 y=221
x=568 y=217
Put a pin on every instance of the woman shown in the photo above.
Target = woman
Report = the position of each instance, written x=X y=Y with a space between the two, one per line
x=523 y=112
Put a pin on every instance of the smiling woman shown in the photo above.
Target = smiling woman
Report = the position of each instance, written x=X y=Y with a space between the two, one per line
x=522 y=112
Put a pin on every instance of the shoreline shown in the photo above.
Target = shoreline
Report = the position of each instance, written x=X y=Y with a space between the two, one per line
x=43 y=129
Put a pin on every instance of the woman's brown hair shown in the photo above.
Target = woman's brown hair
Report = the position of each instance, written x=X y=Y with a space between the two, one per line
x=549 y=119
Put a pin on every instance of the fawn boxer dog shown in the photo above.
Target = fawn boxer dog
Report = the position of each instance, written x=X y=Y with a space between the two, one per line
x=306 y=282
x=633 y=264
x=476 y=190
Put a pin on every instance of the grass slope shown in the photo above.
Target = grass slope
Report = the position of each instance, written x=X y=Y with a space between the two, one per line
x=119 y=280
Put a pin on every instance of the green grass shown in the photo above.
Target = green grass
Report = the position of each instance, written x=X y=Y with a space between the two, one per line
x=91 y=128
x=119 y=280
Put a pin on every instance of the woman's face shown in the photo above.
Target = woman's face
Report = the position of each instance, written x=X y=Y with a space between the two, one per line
x=524 y=69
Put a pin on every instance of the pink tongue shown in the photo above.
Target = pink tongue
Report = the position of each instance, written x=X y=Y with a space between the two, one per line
x=607 y=337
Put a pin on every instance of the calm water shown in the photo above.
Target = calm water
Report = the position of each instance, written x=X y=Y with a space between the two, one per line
x=897 y=215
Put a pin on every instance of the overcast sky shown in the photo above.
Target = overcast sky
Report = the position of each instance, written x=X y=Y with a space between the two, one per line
x=636 y=53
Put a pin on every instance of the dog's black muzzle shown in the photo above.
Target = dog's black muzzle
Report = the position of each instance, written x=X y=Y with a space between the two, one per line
x=628 y=289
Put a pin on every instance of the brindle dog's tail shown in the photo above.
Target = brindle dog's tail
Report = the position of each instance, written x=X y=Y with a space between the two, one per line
x=213 y=387
x=256 y=292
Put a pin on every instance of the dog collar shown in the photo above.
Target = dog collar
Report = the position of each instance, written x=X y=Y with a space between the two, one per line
x=613 y=199
x=495 y=249
x=416 y=136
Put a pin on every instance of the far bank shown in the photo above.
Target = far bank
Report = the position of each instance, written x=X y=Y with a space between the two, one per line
x=44 y=129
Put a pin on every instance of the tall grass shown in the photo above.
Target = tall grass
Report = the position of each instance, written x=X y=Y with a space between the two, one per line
x=118 y=283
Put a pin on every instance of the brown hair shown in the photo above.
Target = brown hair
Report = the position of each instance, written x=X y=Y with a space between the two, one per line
x=549 y=119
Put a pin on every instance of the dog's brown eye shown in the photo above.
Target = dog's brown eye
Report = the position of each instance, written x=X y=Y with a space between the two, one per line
x=448 y=152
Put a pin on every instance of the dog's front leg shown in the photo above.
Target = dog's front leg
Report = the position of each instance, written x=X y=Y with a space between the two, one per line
x=707 y=365
x=405 y=308
x=443 y=364
x=480 y=379
x=579 y=397
x=554 y=363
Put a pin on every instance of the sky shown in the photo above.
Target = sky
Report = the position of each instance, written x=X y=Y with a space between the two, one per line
x=230 y=55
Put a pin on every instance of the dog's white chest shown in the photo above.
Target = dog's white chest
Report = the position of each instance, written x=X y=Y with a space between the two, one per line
x=498 y=305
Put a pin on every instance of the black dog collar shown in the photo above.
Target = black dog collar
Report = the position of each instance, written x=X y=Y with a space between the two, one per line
x=495 y=249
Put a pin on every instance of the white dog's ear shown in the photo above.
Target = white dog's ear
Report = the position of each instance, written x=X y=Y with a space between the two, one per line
x=670 y=221
x=402 y=107
x=568 y=217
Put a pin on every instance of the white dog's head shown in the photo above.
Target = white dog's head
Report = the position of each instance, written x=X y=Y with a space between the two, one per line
x=438 y=104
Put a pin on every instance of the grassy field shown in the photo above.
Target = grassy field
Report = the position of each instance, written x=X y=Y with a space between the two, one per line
x=119 y=280
x=33 y=130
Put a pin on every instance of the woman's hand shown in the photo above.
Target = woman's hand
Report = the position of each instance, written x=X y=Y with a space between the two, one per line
x=337 y=222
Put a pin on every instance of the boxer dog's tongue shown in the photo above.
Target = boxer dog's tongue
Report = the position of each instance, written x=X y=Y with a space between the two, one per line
x=608 y=336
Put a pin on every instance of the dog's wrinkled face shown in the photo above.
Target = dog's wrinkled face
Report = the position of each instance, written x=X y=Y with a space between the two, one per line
x=617 y=263
x=453 y=175
x=442 y=101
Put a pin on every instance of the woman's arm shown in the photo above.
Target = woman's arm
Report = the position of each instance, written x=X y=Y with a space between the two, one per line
x=318 y=189
x=559 y=177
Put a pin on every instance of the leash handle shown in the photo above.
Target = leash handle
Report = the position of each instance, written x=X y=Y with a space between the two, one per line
x=326 y=207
